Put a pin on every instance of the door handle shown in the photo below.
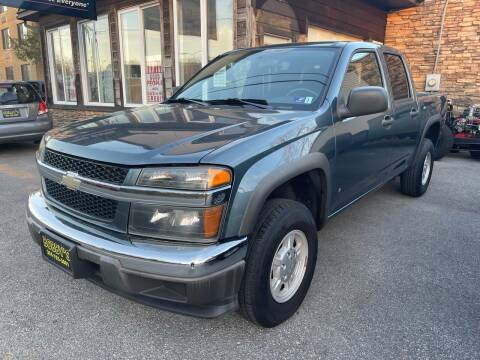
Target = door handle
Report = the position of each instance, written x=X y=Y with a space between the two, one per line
x=388 y=121
x=414 y=111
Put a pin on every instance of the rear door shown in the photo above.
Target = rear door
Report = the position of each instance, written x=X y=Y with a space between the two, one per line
x=404 y=131
x=362 y=148
x=18 y=102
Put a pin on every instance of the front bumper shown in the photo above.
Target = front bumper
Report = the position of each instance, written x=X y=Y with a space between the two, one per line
x=191 y=279
x=25 y=130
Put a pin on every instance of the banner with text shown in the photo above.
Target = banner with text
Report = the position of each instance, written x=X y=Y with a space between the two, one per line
x=76 y=8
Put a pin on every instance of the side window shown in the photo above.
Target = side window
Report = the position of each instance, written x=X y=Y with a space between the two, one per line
x=363 y=70
x=398 y=77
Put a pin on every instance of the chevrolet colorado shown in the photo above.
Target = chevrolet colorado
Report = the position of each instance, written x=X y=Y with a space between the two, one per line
x=211 y=201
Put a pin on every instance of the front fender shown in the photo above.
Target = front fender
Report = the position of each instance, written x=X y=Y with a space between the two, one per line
x=267 y=174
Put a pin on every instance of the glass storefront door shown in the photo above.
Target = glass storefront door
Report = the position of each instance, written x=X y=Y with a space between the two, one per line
x=96 y=62
x=61 y=66
x=141 y=50
x=189 y=42
x=153 y=54
x=203 y=30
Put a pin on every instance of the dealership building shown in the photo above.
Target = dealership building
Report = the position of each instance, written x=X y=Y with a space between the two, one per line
x=136 y=51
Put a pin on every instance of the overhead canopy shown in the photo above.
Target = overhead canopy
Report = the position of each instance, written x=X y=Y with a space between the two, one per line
x=396 y=4
x=76 y=8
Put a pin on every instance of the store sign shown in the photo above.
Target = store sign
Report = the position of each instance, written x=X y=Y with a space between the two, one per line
x=154 y=80
x=76 y=8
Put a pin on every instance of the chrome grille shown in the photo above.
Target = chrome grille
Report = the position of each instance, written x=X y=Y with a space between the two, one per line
x=88 y=204
x=85 y=168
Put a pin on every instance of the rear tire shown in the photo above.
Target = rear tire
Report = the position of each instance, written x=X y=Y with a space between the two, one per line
x=274 y=285
x=415 y=181
x=445 y=143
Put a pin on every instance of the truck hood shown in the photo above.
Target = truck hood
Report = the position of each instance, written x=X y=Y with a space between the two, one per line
x=161 y=134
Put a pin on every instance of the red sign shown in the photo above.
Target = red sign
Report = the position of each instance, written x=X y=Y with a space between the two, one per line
x=154 y=81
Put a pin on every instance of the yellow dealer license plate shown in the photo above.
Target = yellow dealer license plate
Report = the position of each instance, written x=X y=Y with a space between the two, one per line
x=59 y=253
x=11 y=113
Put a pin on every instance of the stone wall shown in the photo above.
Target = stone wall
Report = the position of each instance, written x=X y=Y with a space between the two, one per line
x=415 y=32
x=63 y=117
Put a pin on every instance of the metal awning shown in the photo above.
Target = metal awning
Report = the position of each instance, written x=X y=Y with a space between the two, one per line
x=32 y=9
x=28 y=15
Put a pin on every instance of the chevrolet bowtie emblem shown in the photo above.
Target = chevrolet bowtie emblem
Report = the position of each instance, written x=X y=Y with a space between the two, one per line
x=71 y=181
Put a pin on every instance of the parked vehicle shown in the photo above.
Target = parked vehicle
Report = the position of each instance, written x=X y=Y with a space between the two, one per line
x=23 y=114
x=212 y=201
x=465 y=130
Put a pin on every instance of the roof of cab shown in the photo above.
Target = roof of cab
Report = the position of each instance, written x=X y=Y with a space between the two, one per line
x=334 y=44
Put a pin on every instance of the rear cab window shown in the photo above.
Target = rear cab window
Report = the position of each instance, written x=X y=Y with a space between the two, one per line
x=17 y=93
x=397 y=74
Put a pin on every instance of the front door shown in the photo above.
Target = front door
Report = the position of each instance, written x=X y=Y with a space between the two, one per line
x=362 y=149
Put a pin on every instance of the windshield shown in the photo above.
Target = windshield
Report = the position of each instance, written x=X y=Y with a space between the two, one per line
x=13 y=94
x=285 y=77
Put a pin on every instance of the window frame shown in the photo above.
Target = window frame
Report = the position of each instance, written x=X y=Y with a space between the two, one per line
x=22 y=67
x=52 y=69
x=405 y=68
x=12 y=72
x=22 y=31
x=380 y=67
x=143 y=73
x=203 y=36
x=6 y=42
x=83 y=65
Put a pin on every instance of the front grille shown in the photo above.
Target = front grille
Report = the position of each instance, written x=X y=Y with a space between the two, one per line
x=88 y=204
x=85 y=168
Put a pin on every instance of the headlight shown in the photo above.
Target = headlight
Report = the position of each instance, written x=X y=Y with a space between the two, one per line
x=186 y=178
x=195 y=223
x=175 y=223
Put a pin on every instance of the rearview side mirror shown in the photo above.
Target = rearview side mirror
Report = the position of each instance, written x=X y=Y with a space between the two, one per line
x=365 y=100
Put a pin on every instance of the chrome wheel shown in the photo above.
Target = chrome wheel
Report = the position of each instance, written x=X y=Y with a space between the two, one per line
x=289 y=266
x=427 y=168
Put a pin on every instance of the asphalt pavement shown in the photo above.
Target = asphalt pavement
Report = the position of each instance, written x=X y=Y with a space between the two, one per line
x=396 y=278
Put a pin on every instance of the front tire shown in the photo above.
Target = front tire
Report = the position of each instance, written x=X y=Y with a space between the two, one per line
x=415 y=181
x=280 y=263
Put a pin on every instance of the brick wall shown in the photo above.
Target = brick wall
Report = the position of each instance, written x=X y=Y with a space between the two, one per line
x=8 y=58
x=415 y=32
x=63 y=117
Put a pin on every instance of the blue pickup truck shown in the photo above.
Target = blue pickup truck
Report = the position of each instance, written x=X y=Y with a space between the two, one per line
x=212 y=201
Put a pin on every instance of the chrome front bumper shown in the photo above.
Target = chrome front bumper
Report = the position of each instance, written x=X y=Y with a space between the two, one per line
x=199 y=280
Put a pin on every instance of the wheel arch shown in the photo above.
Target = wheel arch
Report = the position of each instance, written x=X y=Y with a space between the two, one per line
x=432 y=131
x=314 y=166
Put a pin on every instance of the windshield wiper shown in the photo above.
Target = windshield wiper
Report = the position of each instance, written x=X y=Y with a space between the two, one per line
x=186 y=100
x=259 y=103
